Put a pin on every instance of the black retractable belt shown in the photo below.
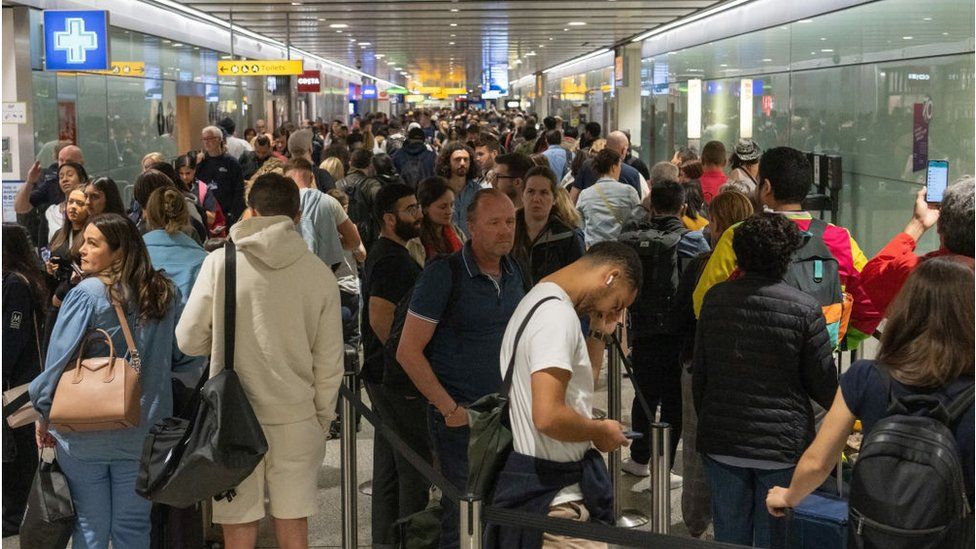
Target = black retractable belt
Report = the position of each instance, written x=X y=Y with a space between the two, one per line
x=633 y=379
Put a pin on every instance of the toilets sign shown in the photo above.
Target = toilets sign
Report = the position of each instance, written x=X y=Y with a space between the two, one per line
x=76 y=40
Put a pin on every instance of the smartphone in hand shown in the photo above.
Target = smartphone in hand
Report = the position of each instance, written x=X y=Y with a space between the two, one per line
x=936 y=180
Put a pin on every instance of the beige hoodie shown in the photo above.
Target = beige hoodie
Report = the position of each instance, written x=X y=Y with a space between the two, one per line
x=289 y=351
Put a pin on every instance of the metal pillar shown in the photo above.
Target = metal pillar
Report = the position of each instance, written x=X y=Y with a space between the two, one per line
x=628 y=518
x=347 y=447
x=661 y=478
x=470 y=526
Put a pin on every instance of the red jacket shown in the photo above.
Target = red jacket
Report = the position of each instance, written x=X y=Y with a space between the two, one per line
x=883 y=276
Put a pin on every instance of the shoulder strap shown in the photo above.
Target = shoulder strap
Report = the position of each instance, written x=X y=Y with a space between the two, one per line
x=518 y=335
x=885 y=380
x=230 y=303
x=603 y=197
x=961 y=403
x=817 y=227
x=135 y=359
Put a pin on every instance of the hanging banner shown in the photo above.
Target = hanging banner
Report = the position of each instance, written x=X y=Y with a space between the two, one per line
x=920 y=135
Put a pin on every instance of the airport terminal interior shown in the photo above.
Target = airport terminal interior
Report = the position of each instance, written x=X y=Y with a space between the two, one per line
x=456 y=161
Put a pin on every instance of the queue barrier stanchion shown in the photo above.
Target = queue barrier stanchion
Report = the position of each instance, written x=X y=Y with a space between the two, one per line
x=470 y=521
x=660 y=478
x=347 y=449
x=629 y=518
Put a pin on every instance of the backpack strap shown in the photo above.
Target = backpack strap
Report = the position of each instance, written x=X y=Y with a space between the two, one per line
x=817 y=227
x=507 y=384
x=230 y=303
x=961 y=403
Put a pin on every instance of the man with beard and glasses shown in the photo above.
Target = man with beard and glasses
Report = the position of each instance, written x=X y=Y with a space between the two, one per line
x=390 y=273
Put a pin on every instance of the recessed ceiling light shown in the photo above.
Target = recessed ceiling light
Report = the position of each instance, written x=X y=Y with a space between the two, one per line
x=177 y=45
x=365 y=43
x=530 y=54
x=453 y=35
x=805 y=21
x=826 y=50
x=362 y=46
x=767 y=60
x=907 y=37
x=723 y=65
x=379 y=56
x=823 y=38
x=321 y=18
x=338 y=32
x=338 y=26
x=550 y=38
x=926 y=19
x=566 y=29
x=518 y=61
x=945 y=34
x=577 y=23
x=450 y=43
x=453 y=24
x=352 y=39
x=296 y=3
x=454 y=10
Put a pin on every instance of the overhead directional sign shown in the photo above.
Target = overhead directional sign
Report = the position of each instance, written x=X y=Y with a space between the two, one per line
x=76 y=40
x=125 y=68
x=254 y=67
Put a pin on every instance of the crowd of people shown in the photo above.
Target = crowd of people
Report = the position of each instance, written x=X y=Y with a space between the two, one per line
x=467 y=253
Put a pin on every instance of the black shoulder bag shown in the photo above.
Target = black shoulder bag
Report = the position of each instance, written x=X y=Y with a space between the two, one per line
x=219 y=443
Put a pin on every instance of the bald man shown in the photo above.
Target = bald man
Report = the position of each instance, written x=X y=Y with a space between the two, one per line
x=616 y=141
x=41 y=188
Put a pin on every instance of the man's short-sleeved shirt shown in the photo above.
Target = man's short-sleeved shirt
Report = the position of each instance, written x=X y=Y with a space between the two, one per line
x=552 y=339
x=464 y=349
x=390 y=273
x=319 y=225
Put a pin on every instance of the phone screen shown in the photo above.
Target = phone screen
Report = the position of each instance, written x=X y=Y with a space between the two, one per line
x=936 y=180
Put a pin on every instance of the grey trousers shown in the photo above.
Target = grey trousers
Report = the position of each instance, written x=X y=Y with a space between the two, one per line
x=696 y=500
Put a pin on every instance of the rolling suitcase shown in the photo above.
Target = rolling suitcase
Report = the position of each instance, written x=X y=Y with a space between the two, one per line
x=818 y=522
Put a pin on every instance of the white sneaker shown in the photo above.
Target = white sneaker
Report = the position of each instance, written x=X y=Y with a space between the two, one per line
x=676 y=481
x=631 y=467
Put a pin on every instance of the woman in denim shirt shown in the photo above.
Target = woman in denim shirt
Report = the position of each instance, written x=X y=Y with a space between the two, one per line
x=102 y=466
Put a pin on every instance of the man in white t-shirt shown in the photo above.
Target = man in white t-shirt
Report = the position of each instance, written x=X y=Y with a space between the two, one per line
x=552 y=393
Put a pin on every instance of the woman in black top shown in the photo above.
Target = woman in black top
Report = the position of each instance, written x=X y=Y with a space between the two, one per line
x=24 y=298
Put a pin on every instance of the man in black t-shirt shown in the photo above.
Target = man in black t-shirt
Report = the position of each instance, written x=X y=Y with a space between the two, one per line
x=222 y=174
x=390 y=273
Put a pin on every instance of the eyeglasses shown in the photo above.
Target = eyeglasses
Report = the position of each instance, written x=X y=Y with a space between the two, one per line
x=209 y=138
x=412 y=209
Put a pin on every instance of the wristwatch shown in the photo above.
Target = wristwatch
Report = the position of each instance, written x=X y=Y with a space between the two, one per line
x=598 y=335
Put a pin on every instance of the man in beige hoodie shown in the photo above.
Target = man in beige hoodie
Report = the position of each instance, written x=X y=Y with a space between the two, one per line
x=288 y=355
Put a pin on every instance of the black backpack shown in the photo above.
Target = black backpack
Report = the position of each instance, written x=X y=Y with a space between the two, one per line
x=658 y=252
x=907 y=488
x=413 y=171
x=361 y=207
x=393 y=374
x=815 y=271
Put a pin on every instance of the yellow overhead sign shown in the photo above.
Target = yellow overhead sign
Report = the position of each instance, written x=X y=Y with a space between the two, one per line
x=123 y=68
x=253 y=67
x=455 y=91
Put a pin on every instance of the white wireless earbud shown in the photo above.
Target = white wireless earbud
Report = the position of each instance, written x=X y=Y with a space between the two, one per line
x=610 y=280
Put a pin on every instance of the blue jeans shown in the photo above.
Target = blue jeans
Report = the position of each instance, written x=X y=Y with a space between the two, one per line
x=739 y=501
x=106 y=503
x=451 y=451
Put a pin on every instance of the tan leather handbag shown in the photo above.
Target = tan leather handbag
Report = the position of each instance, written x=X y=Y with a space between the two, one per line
x=99 y=393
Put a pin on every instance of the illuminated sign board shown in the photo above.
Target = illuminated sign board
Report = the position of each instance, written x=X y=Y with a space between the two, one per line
x=256 y=67
x=369 y=91
x=76 y=40
x=310 y=82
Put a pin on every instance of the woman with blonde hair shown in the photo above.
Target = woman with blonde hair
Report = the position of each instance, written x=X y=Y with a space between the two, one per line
x=150 y=159
x=335 y=168
x=170 y=249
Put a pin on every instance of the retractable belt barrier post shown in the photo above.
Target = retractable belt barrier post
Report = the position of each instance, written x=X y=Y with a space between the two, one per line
x=660 y=478
x=629 y=518
x=347 y=445
x=470 y=526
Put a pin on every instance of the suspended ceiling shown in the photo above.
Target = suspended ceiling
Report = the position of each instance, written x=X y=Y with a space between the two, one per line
x=450 y=42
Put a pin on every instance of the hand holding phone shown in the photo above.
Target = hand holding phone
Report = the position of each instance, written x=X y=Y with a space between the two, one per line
x=633 y=435
x=936 y=180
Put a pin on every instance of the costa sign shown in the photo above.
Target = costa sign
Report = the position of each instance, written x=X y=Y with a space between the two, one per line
x=309 y=82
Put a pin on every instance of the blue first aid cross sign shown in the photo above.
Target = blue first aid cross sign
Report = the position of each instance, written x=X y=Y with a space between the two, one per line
x=76 y=40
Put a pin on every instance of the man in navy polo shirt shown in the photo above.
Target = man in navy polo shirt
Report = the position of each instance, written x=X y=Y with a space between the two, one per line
x=449 y=345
